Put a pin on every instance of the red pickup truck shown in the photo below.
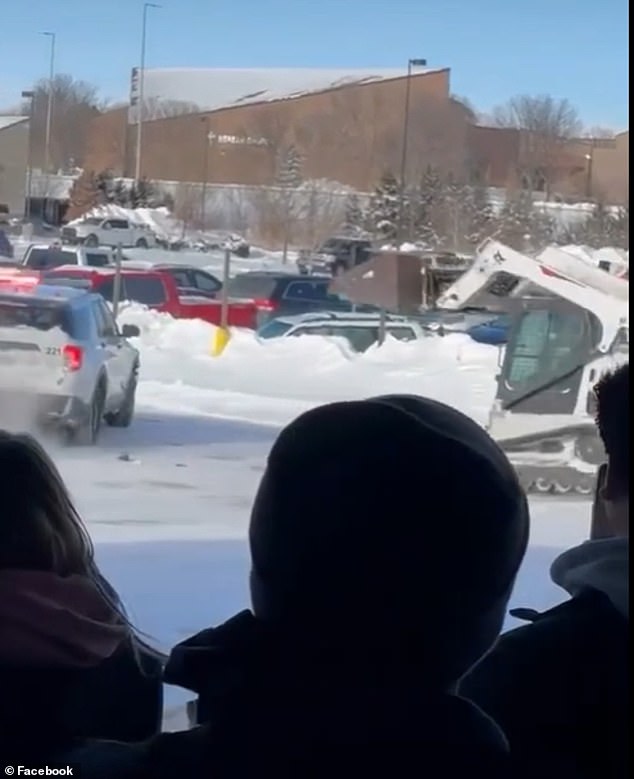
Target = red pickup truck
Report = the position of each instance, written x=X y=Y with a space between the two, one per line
x=157 y=290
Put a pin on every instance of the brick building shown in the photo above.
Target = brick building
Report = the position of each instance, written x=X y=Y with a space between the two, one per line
x=14 y=153
x=583 y=168
x=347 y=127
x=349 y=131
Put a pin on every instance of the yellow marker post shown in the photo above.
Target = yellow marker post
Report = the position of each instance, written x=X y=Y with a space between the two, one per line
x=219 y=341
x=222 y=334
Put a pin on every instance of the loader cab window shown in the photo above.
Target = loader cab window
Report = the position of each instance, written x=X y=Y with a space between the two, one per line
x=548 y=343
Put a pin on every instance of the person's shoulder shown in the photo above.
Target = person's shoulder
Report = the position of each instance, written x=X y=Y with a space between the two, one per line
x=589 y=615
x=579 y=633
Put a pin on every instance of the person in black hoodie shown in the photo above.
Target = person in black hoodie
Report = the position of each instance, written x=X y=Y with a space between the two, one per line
x=560 y=686
x=385 y=538
x=71 y=666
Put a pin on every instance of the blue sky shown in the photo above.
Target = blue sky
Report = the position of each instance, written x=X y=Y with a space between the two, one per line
x=495 y=48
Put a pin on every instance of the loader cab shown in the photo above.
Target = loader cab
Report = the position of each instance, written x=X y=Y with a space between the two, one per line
x=549 y=345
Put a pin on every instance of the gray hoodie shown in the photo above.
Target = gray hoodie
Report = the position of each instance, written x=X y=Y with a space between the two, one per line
x=601 y=565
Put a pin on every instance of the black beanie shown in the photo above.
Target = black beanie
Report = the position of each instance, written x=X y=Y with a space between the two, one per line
x=395 y=511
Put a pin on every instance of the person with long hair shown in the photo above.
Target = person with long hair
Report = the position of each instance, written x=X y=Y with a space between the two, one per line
x=71 y=664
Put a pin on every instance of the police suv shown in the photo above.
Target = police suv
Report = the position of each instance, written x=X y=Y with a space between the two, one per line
x=64 y=362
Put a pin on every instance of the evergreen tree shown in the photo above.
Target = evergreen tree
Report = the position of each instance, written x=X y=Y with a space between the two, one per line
x=622 y=228
x=105 y=185
x=605 y=227
x=288 y=178
x=523 y=227
x=121 y=194
x=167 y=200
x=289 y=169
x=384 y=208
x=514 y=221
x=426 y=209
x=542 y=230
x=456 y=212
x=482 y=217
x=354 y=219
x=142 y=194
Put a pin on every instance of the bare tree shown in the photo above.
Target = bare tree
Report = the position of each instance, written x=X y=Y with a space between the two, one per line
x=187 y=205
x=597 y=131
x=157 y=108
x=545 y=123
x=320 y=211
x=467 y=106
x=271 y=126
x=75 y=105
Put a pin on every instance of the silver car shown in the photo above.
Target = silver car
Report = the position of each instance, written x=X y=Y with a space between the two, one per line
x=65 y=363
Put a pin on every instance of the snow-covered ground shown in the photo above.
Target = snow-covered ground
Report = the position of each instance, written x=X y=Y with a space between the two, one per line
x=272 y=381
x=167 y=501
x=167 y=504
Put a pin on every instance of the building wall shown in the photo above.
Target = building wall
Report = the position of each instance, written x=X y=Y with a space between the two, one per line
x=106 y=142
x=609 y=175
x=14 y=152
x=352 y=134
x=493 y=155
x=582 y=168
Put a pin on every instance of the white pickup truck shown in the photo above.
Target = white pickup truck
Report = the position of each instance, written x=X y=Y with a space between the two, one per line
x=110 y=231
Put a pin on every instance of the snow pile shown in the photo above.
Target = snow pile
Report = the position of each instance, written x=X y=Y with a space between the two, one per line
x=271 y=382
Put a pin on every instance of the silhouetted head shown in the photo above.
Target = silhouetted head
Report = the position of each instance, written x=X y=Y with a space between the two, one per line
x=613 y=421
x=394 y=525
x=40 y=528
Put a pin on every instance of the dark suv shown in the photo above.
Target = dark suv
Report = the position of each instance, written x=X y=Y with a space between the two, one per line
x=280 y=294
x=335 y=256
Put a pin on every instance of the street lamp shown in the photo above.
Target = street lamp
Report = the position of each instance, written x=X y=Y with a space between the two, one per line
x=29 y=165
x=49 y=105
x=137 y=170
x=411 y=64
x=210 y=137
x=589 y=160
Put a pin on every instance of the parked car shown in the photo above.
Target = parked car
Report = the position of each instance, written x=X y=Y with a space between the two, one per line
x=335 y=256
x=111 y=231
x=279 y=294
x=206 y=242
x=235 y=243
x=494 y=332
x=360 y=330
x=189 y=279
x=155 y=289
x=63 y=356
x=446 y=321
x=53 y=255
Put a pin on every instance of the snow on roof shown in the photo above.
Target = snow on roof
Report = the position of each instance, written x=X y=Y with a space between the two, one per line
x=215 y=88
x=54 y=187
x=9 y=121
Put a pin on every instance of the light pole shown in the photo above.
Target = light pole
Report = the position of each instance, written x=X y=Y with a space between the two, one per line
x=411 y=64
x=137 y=167
x=49 y=104
x=29 y=164
x=210 y=137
